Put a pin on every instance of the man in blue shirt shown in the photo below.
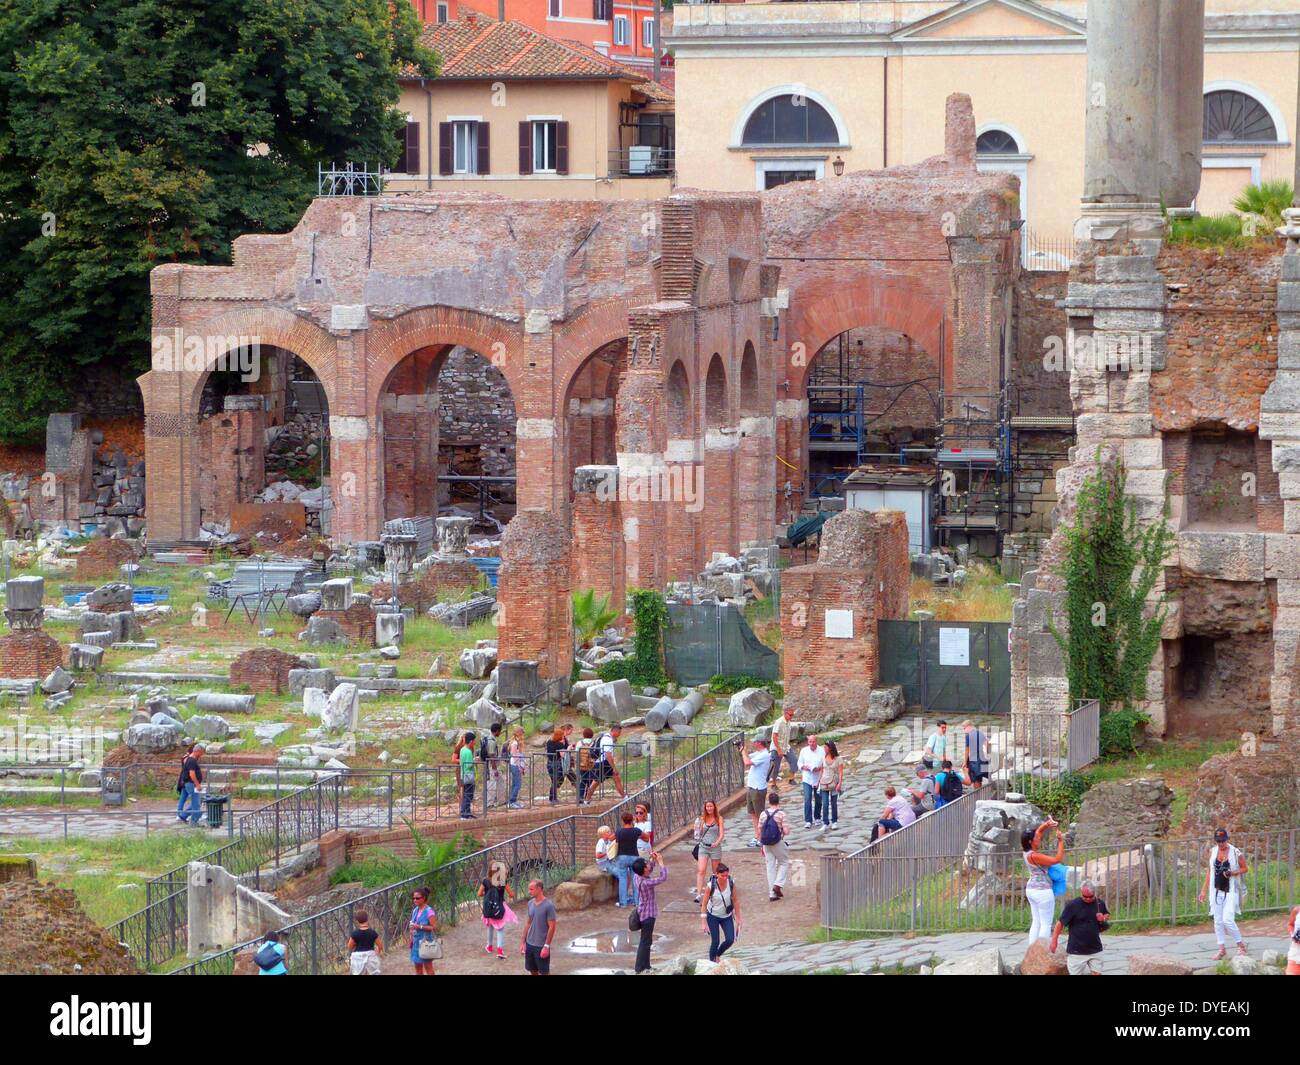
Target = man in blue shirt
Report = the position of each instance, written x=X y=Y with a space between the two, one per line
x=757 y=766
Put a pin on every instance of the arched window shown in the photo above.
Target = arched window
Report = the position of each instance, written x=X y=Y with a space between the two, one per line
x=1233 y=117
x=790 y=119
x=996 y=142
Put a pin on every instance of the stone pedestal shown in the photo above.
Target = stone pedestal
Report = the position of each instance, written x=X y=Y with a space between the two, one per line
x=536 y=614
x=453 y=537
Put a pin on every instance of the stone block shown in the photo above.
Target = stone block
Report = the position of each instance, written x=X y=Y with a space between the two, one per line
x=324 y=631
x=1156 y=963
x=83 y=657
x=478 y=662
x=886 y=704
x=748 y=706
x=1225 y=556
x=1281 y=556
x=610 y=701
x=313 y=701
x=342 y=709
x=1040 y=961
x=336 y=594
x=978 y=963
x=572 y=895
x=24 y=593
x=390 y=629
x=302 y=679
x=225 y=703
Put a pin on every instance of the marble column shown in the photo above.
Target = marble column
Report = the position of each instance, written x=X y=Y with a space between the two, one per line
x=1122 y=103
x=1181 y=116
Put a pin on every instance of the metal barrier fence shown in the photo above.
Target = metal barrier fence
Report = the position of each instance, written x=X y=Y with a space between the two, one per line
x=552 y=854
x=1147 y=883
x=1084 y=735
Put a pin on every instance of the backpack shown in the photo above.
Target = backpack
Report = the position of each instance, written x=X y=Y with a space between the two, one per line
x=950 y=789
x=483 y=753
x=713 y=888
x=769 y=834
x=585 y=760
x=494 y=905
x=267 y=956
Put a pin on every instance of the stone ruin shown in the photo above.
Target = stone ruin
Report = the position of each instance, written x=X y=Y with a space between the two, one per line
x=27 y=650
x=1185 y=369
x=830 y=610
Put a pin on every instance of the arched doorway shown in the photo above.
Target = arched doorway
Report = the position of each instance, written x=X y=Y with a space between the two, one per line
x=263 y=423
x=448 y=418
x=591 y=407
x=872 y=396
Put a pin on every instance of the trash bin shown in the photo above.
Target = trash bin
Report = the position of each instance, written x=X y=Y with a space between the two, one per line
x=216 y=808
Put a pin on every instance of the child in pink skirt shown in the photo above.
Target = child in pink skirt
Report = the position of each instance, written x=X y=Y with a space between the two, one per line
x=495 y=893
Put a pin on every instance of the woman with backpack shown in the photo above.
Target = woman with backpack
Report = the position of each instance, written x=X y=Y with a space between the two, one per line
x=720 y=912
x=495 y=891
x=1223 y=885
x=830 y=785
x=422 y=933
x=1038 y=888
x=708 y=835
x=586 y=755
x=270 y=956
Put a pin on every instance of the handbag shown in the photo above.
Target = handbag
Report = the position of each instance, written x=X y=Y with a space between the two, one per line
x=634 y=920
x=431 y=949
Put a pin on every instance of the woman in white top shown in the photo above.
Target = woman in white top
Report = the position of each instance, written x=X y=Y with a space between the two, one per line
x=1223 y=875
x=708 y=834
x=720 y=912
x=645 y=845
x=1038 y=888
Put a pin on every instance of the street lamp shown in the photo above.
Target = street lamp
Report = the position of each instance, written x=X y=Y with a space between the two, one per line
x=838 y=165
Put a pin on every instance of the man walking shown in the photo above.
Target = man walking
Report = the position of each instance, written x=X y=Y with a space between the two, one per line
x=936 y=747
x=539 y=931
x=191 y=789
x=811 y=760
x=756 y=774
x=491 y=753
x=977 y=754
x=1086 y=917
x=772 y=831
x=606 y=764
x=782 y=732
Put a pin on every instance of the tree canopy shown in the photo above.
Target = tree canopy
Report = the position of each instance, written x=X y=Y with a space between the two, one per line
x=140 y=132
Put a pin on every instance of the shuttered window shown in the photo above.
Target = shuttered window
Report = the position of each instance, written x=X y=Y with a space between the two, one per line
x=409 y=162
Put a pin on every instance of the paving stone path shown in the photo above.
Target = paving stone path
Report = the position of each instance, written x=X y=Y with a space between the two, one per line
x=869 y=955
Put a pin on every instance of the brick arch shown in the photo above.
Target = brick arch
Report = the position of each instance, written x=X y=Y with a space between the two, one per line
x=579 y=338
x=273 y=327
x=902 y=309
x=393 y=341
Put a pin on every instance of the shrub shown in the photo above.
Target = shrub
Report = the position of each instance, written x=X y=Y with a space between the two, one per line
x=729 y=684
x=1119 y=731
x=1059 y=796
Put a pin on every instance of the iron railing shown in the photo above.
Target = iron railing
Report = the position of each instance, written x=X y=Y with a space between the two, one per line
x=349 y=180
x=552 y=854
x=1046 y=253
x=1152 y=882
x=644 y=160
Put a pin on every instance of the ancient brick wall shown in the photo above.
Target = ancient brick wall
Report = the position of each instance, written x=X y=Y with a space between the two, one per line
x=1040 y=386
x=233 y=470
x=263 y=669
x=29 y=654
x=536 y=613
x=860 y=577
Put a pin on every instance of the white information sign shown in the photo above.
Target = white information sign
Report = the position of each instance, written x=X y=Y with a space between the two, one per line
x=839 y=624
x=954 y=647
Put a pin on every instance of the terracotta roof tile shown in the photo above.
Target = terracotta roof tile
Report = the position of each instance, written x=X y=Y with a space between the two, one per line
x=476 y=46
